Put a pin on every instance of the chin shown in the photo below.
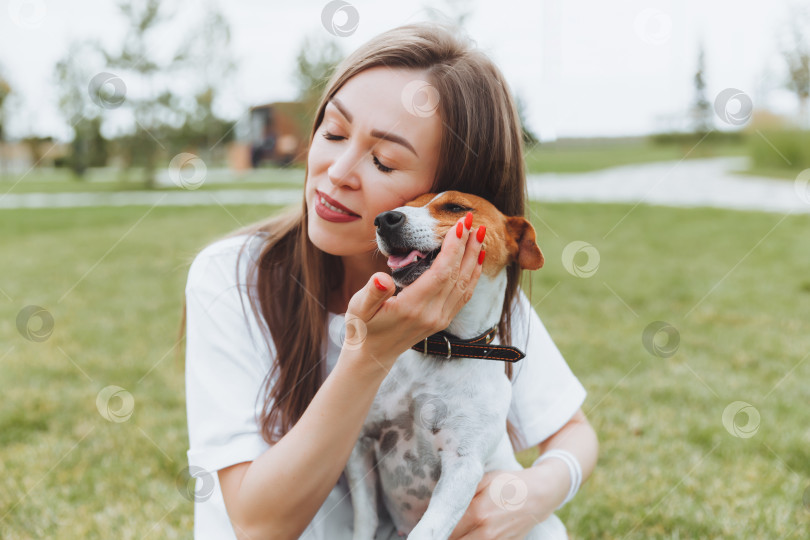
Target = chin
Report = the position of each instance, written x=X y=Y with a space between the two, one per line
x=333 y=243
x=323 y=240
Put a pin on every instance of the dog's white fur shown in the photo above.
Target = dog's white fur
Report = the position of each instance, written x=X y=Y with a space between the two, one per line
x=436 y=425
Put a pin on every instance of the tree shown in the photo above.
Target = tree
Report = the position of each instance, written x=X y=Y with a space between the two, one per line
x=796 y=53
x=207 y=54
x=529 y=138
x=702 y=107
x=170 y=95
x=315 y=62
x=5 y=91
x=88 y=147
x=138 y=69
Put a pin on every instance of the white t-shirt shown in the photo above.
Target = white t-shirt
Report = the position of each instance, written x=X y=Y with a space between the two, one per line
x=227 y=360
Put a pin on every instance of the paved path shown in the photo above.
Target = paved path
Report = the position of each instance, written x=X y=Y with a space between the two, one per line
x=698 y=182
x=704 y=182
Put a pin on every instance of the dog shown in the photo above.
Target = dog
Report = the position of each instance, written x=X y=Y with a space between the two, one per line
x=438 y=424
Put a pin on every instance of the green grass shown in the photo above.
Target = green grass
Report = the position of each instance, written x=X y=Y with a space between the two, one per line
x=113 y=280
x=583 y=157
x=106 y=180
x=782 y=153
x=783 y=174
x=561 y=157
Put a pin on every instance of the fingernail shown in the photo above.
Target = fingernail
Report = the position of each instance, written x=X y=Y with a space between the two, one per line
x=459 y=230
x=482 y=230
x=378 y=284
x=468 y=220
x=481 y=256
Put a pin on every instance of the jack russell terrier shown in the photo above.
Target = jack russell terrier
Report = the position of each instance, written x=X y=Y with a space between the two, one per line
x=438 y=421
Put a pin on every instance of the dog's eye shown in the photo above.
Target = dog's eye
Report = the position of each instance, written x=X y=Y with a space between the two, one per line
x=452 y=207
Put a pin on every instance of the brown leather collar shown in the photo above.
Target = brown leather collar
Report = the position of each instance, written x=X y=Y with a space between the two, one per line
x=448 y=346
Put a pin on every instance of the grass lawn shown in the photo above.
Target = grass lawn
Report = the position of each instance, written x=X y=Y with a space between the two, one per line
x=557 y=157
x=105 y=180
x=784 y=174
x=733 y=285
x=574 y=158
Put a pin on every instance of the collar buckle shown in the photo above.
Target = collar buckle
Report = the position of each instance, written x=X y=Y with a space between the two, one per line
x=449 y=350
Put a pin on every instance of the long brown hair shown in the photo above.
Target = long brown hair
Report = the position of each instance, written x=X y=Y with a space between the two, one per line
x=480 y=152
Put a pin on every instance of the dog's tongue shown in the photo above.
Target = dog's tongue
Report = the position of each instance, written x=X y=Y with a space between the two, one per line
x=398 y=261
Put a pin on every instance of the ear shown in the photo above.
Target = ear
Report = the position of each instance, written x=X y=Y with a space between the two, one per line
x=523 y=245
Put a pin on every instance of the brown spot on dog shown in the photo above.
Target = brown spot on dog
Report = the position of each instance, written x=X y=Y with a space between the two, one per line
x=508 y=238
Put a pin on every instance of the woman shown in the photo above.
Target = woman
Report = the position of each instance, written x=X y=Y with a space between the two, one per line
x=413 y=110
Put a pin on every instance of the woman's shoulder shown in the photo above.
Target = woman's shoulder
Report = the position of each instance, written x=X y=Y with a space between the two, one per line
x=218 y=259
x=223 y=247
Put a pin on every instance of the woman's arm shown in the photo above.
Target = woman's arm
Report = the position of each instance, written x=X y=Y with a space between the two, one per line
x=550 y=480
x=278 y=494
x=547 y=486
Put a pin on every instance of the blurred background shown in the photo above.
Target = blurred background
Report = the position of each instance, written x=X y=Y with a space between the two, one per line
x=667 y=149
x=235 y=84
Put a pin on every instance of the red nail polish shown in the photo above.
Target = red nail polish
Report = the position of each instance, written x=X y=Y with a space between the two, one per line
x=481 y=256
x=482 y=230
x=378 y=284
x=459 y=230
x=468 y=220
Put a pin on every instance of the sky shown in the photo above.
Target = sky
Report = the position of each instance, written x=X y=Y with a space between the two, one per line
x=584 y=68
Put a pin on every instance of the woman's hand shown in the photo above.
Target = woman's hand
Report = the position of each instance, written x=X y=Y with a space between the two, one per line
x=383 y=326
x=508 y=508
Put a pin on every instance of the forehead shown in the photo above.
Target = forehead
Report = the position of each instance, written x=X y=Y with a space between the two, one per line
x=400 y=101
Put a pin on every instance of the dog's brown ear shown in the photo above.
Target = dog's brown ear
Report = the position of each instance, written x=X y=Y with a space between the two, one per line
x=523 y=244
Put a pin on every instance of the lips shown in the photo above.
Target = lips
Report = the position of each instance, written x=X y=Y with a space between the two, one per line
x=335 y=206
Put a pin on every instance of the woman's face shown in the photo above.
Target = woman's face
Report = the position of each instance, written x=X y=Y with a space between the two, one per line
x=385 y=130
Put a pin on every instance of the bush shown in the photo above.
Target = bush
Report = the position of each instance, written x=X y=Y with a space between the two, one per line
x=680 y=138
x=793 y=145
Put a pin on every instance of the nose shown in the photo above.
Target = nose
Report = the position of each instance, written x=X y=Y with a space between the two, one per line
x=343 y=170
x=390 y=221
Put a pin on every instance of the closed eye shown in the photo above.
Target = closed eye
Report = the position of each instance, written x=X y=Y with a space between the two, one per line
x=453 y=207
x=331 y=137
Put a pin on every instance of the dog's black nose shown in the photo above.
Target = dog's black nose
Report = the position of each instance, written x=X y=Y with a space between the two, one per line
x=389 y=221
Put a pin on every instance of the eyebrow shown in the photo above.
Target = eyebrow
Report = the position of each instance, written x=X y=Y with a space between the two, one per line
x=374 y=132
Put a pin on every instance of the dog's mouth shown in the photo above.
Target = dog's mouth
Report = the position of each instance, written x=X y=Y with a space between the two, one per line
x=408 y=264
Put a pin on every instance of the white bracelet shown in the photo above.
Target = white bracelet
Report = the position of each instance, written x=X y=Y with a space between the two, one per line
x=574 y=469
